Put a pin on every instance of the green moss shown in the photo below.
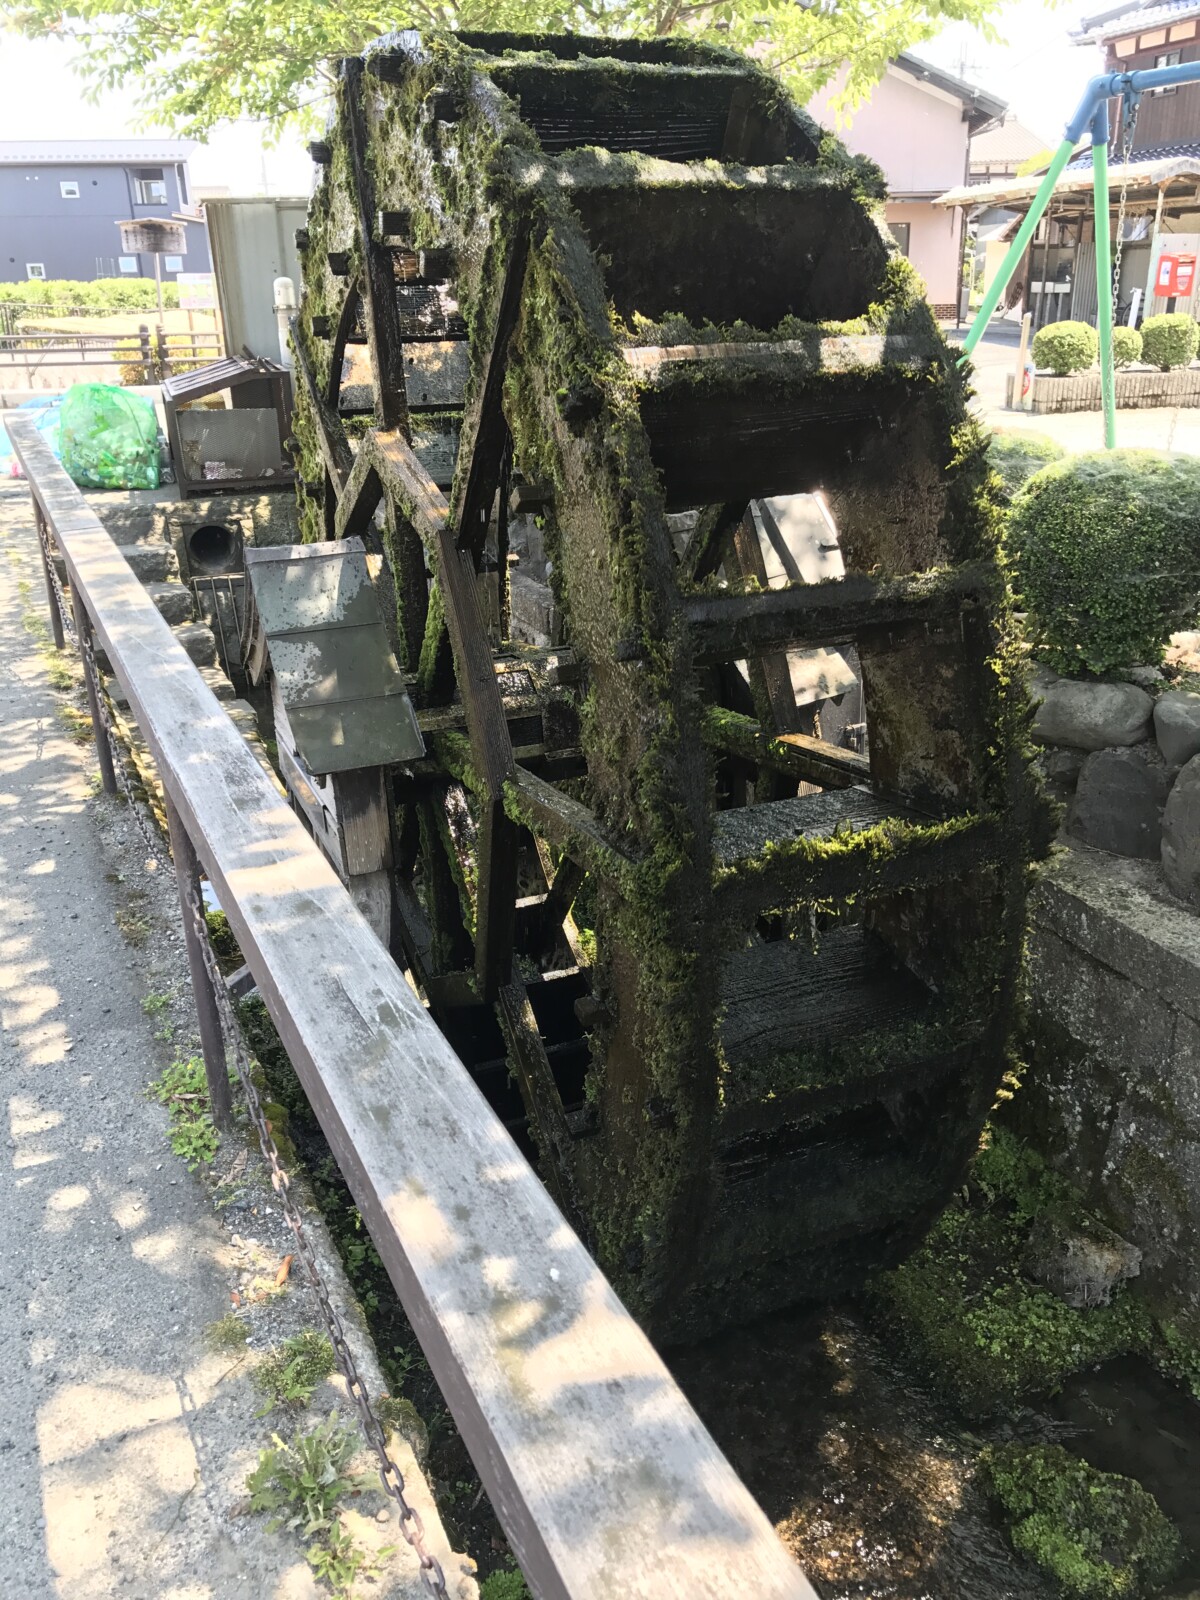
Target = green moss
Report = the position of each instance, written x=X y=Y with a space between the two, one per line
x=1100 y=1536
x=225 y=946
x=503 y=1586
x=963 y=1309
x=290 y=1372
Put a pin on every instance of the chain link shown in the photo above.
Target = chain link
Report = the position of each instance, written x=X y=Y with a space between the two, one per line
x=1128 y=124
x=390 y=1475
x=65 y=613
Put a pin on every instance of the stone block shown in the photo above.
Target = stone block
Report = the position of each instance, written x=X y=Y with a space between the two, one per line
x=1061 y=767
x=1181 y=834
x=1082 y=1264
x=1151 y=1189
x=1115 y=1018
x=1177 y=726
x=1093 y=716
x=1118 y=804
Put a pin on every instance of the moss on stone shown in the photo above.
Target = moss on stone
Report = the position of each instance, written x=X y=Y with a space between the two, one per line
x=1100 y=1536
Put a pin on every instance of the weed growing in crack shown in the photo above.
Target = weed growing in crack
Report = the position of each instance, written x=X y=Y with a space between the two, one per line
x=289 y=1373
x=184 y=1092
x=226 y=1333
x=302 y=1483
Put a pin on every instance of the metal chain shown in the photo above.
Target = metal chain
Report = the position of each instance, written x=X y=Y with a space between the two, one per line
x=140 y=812
x=65 y=613
x=390 y=1475
x=1129 y=113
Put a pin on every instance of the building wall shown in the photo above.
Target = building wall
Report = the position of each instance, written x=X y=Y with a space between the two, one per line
x=1170 y=118
x=79 y=238
x=917 y=134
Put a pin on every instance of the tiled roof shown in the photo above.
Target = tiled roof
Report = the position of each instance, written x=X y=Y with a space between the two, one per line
x=1010 y=141
x=1123 y=20
x=1187 y=150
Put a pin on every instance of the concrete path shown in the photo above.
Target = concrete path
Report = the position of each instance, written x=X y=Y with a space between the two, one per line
x=124 y=1440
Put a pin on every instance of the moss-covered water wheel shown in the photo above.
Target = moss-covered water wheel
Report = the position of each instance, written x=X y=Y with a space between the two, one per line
x=621 y=281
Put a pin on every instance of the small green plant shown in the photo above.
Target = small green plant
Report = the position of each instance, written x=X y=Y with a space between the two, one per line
x=1107 y=548
x=1099 y=1535
x=288 y=1374
x=302 y=1484
x=1127 y=346
x=225 y=946
x=132 y=926
x=504 y=1586
x=78 y=724
x=339 y=1561
x=183 y=1090
x=1170 y=340
x=1015 y=457
x=154 y=1004
x=1066 y=347
x=226 y=1333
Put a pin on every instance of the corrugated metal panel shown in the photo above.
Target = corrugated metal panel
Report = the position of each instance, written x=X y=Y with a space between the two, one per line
x=253 y=243
x=1083 y=298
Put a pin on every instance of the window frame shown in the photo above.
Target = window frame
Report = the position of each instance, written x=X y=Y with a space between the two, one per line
x=146 y=179
x=1167 y=58
x=68 y=189
x=132 y=270
x=901 y=232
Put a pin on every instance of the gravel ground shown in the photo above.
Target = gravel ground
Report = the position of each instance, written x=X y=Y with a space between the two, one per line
x=125 y=1437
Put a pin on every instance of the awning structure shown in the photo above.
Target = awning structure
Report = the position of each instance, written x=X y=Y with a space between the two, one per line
x=1149 y=175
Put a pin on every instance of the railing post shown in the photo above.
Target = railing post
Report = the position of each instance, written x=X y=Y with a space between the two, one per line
x=108 y=777
x=56 y=621
x=147 y=351
x=162 y=355
x=212 y=1040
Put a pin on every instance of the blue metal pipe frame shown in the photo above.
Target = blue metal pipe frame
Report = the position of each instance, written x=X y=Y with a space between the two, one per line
x=1090 y=115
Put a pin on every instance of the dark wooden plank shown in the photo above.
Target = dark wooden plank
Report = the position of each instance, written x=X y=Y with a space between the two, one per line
x=707 y=544
x=806 y=759
x=487 y=727
x=359 y=498
x=567 y=1410
x=485 y=432
x=331 y=435
x=568 y=824
x=531 y=1065
x=770 y=675
x=379 y=287
x=730 y=627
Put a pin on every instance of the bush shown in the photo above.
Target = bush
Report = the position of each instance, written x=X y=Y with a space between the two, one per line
x=1108 y=555
x=73 y=297
x=1096 y=1533
x=1169 y=340
x=1127 y=346
x=1017 y=456
x=1066 y=347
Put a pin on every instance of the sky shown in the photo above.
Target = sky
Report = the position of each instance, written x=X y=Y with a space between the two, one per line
x=1036 y=69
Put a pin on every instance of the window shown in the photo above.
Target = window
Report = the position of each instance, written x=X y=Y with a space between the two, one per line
x=149 y=187
x=172 y=263
x=900 y=232
x=35 y=269
x=69 y=191
x=1169 y=58
x=128 y=263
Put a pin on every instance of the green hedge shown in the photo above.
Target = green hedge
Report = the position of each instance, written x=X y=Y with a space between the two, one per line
x=1066 y=347
x=1107 y=548
x=1169 y=340
x=1127 y=346
x=1017 y=456
x=68 y=297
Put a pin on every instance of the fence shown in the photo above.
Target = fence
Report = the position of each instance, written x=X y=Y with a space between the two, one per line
x=604 y=1479
x=153 y=352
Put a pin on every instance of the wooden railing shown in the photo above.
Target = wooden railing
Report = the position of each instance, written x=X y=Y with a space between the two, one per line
x=154 y=351
x=604 y=1479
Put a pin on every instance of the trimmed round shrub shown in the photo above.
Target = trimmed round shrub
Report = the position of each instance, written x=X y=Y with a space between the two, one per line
x=1066 y=347
x=1127 y=346
x=1169 y=340
x=1107 y=548
x=1015 y=457
x=1100 y=1535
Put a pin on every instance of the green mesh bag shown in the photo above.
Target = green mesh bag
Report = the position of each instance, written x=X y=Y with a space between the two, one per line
x=109 y=438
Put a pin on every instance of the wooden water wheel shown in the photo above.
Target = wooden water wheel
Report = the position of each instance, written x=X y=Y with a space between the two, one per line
x=632 y=287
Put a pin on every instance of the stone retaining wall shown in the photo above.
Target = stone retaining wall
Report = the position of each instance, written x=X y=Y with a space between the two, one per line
x=1134 y=390
x=1113 y=1091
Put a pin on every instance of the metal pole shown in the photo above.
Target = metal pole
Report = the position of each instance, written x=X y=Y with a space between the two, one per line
x=108 y=777
x=1104 y=283
x=56 y=626
x=212 y=1040
x=1017 y=248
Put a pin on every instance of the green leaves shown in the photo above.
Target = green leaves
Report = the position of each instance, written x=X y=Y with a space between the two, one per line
x=202 y=62
x=304 y=1480
x=1108 y=553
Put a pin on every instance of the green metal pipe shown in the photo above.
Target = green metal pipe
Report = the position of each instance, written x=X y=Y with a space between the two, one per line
x=1017 y=249
x=1104 y=291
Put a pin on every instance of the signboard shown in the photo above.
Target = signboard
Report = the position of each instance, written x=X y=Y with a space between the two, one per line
x=197 y=291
